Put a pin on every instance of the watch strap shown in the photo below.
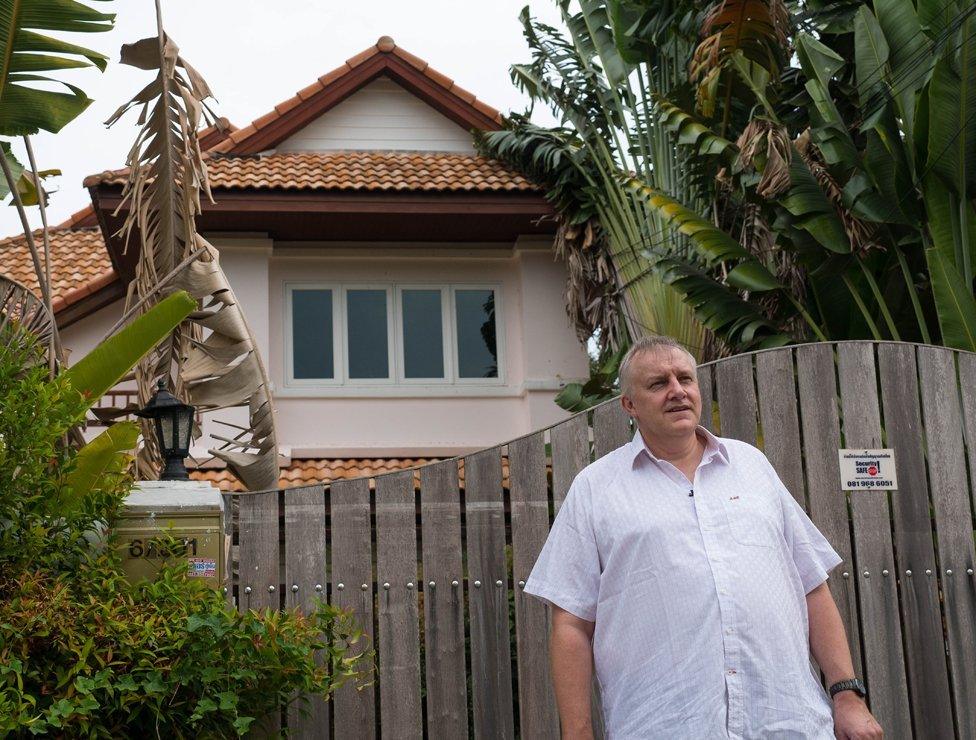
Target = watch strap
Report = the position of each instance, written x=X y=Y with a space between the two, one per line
x=851 y=684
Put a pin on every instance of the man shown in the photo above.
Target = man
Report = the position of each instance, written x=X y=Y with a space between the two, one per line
x=683 y=569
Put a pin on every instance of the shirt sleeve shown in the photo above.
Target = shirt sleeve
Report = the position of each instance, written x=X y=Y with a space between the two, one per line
x=813 y=555
x=567 y=571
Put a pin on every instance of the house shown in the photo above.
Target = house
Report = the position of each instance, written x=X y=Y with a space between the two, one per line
x=402 y=289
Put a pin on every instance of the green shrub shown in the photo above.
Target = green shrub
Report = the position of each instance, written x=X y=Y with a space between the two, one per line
x=85 y=653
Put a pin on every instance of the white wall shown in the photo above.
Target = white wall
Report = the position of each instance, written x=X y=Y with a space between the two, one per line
x=539 y=353
x=381 y=116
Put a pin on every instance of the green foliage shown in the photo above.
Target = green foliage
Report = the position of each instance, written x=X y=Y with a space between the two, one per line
x=104 y=366
x=26 y=108
x=85 y=653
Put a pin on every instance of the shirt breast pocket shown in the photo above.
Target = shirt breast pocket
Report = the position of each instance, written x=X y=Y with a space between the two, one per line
x=754 y=519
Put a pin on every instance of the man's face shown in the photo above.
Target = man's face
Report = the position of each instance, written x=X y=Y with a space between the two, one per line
x=663 y=395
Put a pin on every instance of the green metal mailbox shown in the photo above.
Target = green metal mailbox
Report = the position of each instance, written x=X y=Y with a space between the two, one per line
x=192 y=513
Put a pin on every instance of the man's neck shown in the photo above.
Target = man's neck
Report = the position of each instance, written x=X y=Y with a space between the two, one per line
x=684 y=452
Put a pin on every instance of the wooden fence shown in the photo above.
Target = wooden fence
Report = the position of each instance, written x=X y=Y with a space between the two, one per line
x=432 y=562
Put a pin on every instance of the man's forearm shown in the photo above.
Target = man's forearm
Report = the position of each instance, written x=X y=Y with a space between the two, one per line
x=571 y=652
x=828 y=639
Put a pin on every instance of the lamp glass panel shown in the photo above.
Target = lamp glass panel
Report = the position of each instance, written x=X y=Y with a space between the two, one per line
x=185 y=426
x=166 y=427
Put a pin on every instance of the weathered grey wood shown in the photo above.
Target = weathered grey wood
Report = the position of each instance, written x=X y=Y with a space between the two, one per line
x=570 y=454
x=884 y=659
x=491 y=676
x=258 y=539
x=530 y=527
x=779 y=418
x=399 y=635
x=259 y=586
x=967 y=382
x=611 y=427
x=305 y=566
x=447 y=695
x=230 y=567
x=828 y=504
x=953 y=521
x=737 y=398
x=707 y=391
x=352 y=565
x=919 y=598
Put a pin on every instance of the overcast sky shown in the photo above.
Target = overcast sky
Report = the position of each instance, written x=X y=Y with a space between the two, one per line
x=256 y=54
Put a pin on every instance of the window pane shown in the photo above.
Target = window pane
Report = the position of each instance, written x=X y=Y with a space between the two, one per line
x=423 y=334
x=368 y=339
x=311 y=333
x=477 y=350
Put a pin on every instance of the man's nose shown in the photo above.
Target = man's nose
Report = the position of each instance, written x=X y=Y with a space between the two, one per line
x=675 y=388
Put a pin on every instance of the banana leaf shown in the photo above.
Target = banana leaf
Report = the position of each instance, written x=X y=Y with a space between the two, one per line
x=107 y=454
x=26 y=108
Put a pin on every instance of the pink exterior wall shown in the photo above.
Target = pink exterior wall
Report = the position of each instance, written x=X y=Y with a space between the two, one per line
x=539 y=351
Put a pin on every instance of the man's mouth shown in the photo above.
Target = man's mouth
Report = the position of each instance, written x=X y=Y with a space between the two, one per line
x=679 y=408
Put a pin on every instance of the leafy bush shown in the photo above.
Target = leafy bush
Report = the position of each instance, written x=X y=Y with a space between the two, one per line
x=85 y=653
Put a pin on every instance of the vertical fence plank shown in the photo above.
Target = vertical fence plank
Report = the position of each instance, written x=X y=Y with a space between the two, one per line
x=828 y=504
x=707 y=391
x=491 y=679
x=737 y=398
x=538 y=717
x=884 y=660
x=570 y=454
x=953 y=521
x=258 y=540
x=778 y=416
x=399 y=637
x=305 y=566
x=611 y=427
x=230 y=566
x=447 y=694
x=352 y=566
x=928 y=679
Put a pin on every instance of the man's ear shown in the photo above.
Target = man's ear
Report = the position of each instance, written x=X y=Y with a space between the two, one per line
x=627 y=404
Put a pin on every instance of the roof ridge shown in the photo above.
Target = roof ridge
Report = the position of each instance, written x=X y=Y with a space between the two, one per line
x=385 y=45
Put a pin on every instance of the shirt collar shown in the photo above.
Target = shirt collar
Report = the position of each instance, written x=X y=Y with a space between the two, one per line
x=713 y=446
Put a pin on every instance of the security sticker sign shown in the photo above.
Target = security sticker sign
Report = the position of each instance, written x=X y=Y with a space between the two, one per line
x=202 y=567
x=868 y=469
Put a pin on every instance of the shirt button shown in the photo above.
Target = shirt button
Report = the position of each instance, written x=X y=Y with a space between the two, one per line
x=724 y=592
x=730 y=630
x=731 y=671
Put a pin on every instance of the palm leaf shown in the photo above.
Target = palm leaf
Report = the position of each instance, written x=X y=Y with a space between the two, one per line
x=23 y=314
x=954 y=302
x=212 y=360
x=106 y=455
x=26 y=108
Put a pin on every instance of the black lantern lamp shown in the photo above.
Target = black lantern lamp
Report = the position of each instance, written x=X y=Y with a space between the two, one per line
x=174 y=425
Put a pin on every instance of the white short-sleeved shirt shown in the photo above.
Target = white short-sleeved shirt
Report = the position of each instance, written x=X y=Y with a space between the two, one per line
x=699 y=601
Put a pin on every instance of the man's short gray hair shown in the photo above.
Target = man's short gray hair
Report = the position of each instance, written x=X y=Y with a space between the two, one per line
x=648 y=344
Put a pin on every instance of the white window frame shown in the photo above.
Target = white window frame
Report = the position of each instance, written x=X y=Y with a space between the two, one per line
x=390 y=343
x=445 y=335
x=337 y=359
x=499 y=335
x=395 y=342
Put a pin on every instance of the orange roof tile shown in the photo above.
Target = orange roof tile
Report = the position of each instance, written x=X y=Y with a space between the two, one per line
x=310 y=471
x=80 y=264
x=363 y=171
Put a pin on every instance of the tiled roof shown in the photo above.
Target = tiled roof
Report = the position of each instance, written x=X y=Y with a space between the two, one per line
x=80 y=264
x=309 y=471
x=385 y=45
x=356 y=171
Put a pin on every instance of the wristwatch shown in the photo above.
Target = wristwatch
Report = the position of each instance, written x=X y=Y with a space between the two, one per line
x=851 y=684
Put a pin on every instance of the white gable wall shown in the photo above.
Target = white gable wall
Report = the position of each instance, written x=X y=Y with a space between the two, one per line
x=381 y=116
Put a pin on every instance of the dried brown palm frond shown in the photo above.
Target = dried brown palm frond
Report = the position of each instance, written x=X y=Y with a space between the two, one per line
x=765 y=145
x=591 y=303
x=23 y=314
x=861 y=235
x=211 y=360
